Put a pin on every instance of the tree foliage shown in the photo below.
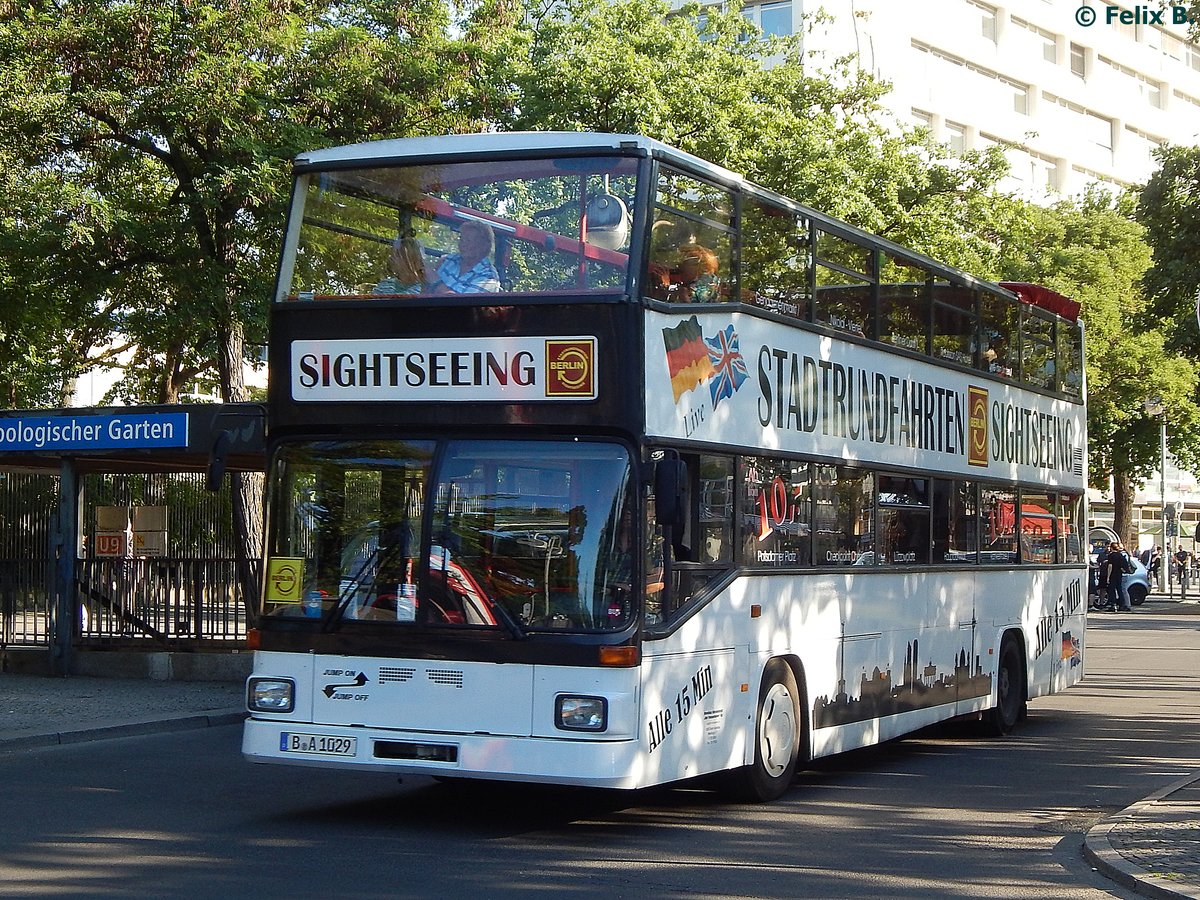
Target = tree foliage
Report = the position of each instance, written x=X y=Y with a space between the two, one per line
x=160 y=134
x=1169 y=209
x=1090 y=249
x=696 y=78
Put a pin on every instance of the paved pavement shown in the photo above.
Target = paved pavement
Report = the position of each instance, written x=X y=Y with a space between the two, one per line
x=37 y=711
x=1152 y=847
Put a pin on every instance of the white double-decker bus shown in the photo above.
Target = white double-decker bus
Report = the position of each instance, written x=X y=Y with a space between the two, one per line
x=594 y=464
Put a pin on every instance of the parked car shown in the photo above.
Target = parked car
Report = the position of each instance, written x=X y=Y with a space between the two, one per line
x=1137 y=582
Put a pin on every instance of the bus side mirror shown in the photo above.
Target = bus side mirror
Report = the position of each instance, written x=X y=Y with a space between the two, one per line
x=670 y=478
x=216 y=460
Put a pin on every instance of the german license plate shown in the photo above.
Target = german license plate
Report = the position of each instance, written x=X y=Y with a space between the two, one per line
x=318 y=744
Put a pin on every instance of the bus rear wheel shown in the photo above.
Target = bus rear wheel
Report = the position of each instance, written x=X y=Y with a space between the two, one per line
x=1010 y=691
x=777 y=732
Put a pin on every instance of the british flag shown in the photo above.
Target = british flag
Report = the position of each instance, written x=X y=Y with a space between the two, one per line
x=729 y=367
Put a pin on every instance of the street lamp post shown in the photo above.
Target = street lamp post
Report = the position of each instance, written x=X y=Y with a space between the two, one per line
x=1155 y=407
x=1163 y=564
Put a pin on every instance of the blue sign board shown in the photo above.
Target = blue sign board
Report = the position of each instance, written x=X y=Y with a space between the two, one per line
x=135 y=431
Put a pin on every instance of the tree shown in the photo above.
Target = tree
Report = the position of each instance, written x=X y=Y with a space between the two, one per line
x=1169 y=209
x=1091 y=250
x=695 y=78
x=164 y=130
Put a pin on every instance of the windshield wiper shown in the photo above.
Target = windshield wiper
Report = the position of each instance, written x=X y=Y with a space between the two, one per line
x=510 y=621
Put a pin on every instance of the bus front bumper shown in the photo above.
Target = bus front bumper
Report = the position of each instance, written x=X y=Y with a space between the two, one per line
x=582 y=762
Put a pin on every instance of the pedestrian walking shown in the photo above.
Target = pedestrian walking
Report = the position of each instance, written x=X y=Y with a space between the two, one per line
x=1182 y=564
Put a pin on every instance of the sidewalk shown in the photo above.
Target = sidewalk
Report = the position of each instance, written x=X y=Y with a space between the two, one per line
x=1153 y=847
x=39 y=711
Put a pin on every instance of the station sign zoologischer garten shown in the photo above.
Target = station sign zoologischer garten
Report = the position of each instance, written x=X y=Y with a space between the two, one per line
x=82 y=433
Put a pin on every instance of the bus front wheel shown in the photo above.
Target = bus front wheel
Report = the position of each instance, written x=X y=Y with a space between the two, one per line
x=777 y=733
x=1010 y=691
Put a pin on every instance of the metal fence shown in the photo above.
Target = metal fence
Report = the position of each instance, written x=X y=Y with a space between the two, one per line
x=27 y=508
x=190 y=599
x=169 y=602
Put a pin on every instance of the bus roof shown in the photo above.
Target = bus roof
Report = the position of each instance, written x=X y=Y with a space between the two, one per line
x=505 y=143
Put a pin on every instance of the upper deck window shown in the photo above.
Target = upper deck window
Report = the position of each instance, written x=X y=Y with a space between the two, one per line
x=691 y=241
x=531 y=226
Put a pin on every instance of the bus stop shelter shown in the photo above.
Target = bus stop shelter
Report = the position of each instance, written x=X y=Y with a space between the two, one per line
x=75 y=443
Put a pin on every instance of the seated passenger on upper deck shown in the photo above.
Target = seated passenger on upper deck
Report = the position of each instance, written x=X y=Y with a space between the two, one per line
x=470 y=270
x=406 y=268
x=697 y=275
x=681 y=270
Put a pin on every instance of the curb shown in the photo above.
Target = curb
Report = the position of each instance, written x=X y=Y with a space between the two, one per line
x=1099 y=851
x=187 y=722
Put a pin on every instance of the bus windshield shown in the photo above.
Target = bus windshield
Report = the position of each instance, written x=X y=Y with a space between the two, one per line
x=559 y=225
x=514 y=536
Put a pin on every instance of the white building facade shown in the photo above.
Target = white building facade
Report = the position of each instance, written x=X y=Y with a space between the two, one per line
x=1076 y=104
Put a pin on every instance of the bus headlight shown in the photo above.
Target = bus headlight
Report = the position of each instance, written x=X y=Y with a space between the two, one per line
x=275 y=695
x=576 y=713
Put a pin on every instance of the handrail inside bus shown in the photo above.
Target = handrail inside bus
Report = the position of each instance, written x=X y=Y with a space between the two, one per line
x=434 y=207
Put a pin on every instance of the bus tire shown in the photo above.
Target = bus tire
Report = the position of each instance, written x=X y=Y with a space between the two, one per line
x=777 y=737
x=1010 y=691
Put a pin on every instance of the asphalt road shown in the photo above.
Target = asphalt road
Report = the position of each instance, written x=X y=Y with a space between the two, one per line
x=944 y=814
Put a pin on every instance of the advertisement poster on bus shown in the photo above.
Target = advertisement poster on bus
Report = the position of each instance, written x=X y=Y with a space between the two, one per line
x=738 y=380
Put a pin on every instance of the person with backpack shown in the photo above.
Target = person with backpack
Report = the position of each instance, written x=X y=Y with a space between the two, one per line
x=1114 y=566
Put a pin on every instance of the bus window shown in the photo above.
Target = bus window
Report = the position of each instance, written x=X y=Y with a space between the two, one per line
x=548 y=225
x=1037 y=349
x=701 y=548
x=523 y=535
x=998 y=518
x=843 y=517
x=1070 y=516
x=903 y=520
x=954 y=323
x=352 y=529
x=955 y=523
x=998 y=335
x=691 y=241
x=1038 y=527
x=777 y=512
x=903 y=304
x=775 y=259
x=715 y=544
x=1070 y=359
x=536 y=531
x=843 y=293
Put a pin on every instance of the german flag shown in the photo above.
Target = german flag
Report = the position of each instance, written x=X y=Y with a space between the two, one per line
x=687 y=357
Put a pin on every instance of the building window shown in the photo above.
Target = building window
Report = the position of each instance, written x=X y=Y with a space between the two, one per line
x=956 y=137
x=1078 y=61
x=1040 y=37
x=987 y=25
x=1021 y=99
x=773 y=18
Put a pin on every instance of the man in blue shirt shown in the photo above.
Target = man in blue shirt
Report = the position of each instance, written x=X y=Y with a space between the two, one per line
x=470 y=270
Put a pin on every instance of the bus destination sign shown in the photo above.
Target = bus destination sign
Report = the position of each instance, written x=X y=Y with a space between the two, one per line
x=499 y=369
